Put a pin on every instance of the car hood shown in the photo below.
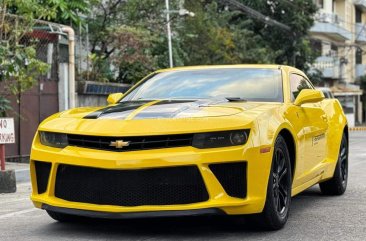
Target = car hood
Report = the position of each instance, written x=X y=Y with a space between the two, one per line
x=156 y=109
x=156 y=117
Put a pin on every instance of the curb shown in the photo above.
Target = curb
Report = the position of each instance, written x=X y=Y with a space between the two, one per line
x=361 y=128
x=8 y=181
x=22 y=175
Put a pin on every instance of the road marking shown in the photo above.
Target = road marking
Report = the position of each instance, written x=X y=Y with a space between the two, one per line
x=9 y=215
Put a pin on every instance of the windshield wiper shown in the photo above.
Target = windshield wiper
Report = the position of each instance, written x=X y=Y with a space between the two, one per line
x=239 y=99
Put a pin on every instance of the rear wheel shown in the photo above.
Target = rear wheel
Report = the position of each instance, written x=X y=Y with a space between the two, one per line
x=277 y=206
x=338 y=184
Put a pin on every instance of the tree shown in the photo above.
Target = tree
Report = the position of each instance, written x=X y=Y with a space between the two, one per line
x=19 y=65
x=67 y=12
x=293 y=48
x=4 y=106
x=216 y=35
x=127 y=35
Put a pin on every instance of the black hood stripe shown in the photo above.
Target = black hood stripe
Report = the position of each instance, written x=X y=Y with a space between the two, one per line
x=123 y=108
x=151 y=109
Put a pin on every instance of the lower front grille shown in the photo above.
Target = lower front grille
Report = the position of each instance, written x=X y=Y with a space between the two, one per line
x=157 y=186
x=42 y=174
x=232 y=177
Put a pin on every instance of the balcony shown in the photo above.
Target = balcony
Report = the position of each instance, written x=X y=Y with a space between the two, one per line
x=361 y=4
x=360 y=32
x=329 y=66
x=360 y=70
x=329 y=24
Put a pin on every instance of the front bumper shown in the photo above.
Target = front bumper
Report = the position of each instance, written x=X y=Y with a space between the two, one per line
x=257 y=168
x=133 y=215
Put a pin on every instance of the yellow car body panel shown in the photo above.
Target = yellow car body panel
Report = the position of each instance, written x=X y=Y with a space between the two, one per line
x=316 y=129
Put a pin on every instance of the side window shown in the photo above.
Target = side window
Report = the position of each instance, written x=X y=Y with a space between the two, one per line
x=298 y=83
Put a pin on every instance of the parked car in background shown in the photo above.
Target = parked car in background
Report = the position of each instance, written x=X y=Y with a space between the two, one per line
x=327 y=92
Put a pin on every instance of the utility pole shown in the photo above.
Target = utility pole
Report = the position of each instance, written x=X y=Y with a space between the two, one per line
x=181 y=12
x=169 y=33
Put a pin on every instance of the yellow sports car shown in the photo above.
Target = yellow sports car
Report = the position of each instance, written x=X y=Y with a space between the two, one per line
x=204 y=140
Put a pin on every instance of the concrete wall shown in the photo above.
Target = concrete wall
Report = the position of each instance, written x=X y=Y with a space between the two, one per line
x=91 y=100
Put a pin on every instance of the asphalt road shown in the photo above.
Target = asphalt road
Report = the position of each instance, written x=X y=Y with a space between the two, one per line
x=313 y=217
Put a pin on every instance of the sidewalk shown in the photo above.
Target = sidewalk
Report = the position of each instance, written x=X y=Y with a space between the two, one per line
x=358 y=128
x=21 y=171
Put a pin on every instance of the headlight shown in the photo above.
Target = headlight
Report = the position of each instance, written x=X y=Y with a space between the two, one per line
x=220 y=139
x=58 y=140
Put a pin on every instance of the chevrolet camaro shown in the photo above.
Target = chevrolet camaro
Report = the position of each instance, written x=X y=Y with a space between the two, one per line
x=203 y=140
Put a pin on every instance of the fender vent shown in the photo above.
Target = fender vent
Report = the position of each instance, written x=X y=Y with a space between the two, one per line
x=42 y=174
x=232 y=177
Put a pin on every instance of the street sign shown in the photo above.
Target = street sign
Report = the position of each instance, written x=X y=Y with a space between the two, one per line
x=7 y=135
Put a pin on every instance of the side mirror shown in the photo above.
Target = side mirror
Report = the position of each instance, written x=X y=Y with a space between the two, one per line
x=309 y=96
x=114 y=98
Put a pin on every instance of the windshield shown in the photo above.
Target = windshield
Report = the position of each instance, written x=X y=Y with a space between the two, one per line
x=251 y=84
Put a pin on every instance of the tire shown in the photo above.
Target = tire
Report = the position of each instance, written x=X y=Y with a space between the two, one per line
x=338 y=184
x=62 y=217
x=278 y=200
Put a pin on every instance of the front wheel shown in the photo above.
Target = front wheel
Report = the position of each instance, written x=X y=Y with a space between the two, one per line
x=338 y=184
x=277 y=206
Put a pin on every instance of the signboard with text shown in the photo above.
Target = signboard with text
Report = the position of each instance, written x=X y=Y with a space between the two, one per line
x=7 y=135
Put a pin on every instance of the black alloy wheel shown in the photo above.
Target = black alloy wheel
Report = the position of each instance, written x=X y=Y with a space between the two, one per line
x=280 y=182
x=276 y=210
x=337 y=185
x=343 y=159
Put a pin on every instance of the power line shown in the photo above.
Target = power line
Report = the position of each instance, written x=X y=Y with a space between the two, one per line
x=257 y=15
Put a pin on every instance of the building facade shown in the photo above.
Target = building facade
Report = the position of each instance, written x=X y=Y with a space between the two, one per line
x=339 y=34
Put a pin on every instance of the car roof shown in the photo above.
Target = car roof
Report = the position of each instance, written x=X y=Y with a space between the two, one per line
x=256 y=66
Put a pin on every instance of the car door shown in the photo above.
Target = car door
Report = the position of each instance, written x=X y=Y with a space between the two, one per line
x=312 y=125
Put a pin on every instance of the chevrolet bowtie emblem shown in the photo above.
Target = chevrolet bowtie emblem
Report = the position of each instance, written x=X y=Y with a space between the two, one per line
x=119 y=144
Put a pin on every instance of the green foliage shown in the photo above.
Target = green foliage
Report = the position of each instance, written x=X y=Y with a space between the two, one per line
x=69 y=11
x=222 y=40
x=128 y=35
x=4 y=106
x=133 y=53
x=19 y=65
x=60 y=11
x=293 y=47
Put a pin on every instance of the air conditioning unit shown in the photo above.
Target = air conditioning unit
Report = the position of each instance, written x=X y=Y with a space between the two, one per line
x=100 y=88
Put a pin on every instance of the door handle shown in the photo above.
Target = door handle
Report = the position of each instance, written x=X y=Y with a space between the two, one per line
x=324 y=117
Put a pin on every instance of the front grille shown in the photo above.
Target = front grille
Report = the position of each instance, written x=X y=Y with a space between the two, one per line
x=157 y=186
x=232 y=177
x=42 y=174
x=134 y=143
